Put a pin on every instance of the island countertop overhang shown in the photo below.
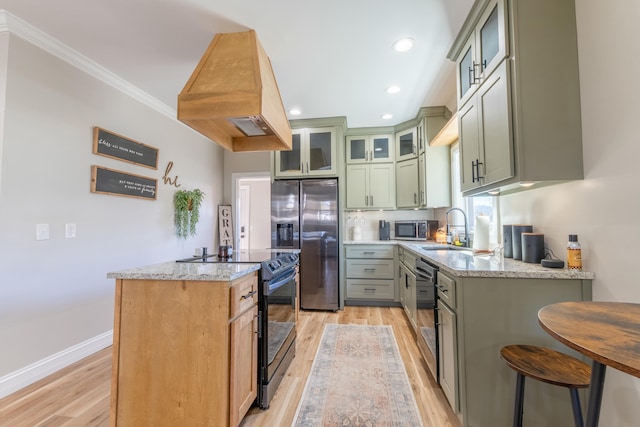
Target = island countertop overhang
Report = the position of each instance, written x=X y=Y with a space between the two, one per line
x=171 y=270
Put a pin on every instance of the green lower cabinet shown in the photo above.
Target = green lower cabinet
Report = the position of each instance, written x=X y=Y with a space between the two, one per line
x=370 y=274
x=489 y=313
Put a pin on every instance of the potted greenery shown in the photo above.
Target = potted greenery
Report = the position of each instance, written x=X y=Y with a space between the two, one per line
x=187 y=211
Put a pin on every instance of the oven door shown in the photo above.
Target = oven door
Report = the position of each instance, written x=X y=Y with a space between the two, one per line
x=427 y=334
x=278 y=329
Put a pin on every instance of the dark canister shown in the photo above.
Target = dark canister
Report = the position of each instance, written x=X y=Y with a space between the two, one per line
x=507 y=240
x=384 y=231
x=532 y=247
x=516 y=241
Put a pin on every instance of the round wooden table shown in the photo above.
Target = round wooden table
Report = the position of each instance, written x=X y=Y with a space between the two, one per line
x=606 y=332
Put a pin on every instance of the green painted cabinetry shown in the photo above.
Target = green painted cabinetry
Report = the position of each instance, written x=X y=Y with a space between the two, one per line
x=478 y=316
x=518 y=95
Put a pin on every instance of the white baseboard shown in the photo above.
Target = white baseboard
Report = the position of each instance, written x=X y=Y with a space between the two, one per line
x=36 y=371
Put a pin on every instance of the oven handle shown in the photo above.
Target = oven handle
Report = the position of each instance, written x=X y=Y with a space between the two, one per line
x=424 y=274
x=273 y=285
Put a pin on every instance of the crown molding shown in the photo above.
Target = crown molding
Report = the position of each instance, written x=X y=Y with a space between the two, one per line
x=14 y=25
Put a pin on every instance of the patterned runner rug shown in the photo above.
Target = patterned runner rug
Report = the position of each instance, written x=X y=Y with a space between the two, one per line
x=357 y=379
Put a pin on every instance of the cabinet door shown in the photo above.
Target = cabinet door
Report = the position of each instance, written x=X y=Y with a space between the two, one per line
x=494 y=106
x=448 y=357
x=491 y=41
x=381 y=149
x=407 y=184
x=466 y=83
x=382 y=186
x=289 y=163
x=406 y=145
x=357 y=149
x=411 y=301
x=469 y=137
x=321 y=154
x=370 y=149
x=422 y=179
x=357 y=186
x=243 y=375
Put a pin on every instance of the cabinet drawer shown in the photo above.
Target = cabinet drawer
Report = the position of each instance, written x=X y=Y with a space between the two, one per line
x=370 y=269
x=373 y=251
x=409 y=259
x=243 y=295
x=371 y=289
x=447 y=289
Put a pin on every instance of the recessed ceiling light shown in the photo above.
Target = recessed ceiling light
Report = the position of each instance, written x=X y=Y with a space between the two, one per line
x=387 y=116
x=403 y=45
x=393 y=89
x=295 y=112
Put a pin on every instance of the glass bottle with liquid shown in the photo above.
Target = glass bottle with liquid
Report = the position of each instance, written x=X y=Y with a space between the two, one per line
x=574 y=253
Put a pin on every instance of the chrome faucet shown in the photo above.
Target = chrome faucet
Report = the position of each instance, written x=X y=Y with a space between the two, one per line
x=466 y=225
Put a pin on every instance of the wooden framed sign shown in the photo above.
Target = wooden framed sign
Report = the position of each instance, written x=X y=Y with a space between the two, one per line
x=109 y=144
x=117 y=183
x=225 y=225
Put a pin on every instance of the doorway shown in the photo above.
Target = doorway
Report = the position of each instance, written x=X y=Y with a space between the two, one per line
x=252 y=194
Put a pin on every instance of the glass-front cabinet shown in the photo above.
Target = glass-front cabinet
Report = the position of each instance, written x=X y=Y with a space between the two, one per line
x=313 y=153
x=485 y=48
x=406 y=144
x=370 y=149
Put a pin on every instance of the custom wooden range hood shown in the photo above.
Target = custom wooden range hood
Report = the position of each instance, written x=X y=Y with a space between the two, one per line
x=232 y=96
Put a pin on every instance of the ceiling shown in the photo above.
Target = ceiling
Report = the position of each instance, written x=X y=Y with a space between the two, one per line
x=330 y=57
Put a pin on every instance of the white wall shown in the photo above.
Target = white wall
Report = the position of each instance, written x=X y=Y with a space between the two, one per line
x=54 y=293
x=604 y=209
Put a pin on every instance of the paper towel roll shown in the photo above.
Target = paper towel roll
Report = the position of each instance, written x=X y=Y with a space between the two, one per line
x=481 y=236
x=357 y=233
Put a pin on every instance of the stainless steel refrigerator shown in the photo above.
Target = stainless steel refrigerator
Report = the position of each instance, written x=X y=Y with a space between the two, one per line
x=304 y=215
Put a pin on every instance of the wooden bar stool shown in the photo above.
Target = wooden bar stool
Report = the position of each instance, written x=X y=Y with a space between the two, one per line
x=549 y=366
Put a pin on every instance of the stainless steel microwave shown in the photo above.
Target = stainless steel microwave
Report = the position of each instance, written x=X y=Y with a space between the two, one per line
x=411 y=230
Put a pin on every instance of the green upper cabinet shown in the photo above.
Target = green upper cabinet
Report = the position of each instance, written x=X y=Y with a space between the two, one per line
x=518 y=95
x=370 y=149
x=485 y=126
x=313 y=154
x=483 y=50
x=407 y=144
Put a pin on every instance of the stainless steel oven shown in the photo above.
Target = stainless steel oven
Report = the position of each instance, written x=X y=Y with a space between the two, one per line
x=427 y=333
x=277 y=330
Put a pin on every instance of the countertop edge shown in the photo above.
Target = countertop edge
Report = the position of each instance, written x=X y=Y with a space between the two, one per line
x=499 y=267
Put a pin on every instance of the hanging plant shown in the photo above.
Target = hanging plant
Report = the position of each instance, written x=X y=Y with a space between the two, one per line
x=187 y=211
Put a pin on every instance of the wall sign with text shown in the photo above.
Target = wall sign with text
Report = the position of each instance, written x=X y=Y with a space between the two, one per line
x=109 y=144
x=225 y=225
x=118 y=183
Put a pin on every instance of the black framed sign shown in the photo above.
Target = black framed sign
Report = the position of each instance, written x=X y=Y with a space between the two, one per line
x=117 y=183
x=109 y=144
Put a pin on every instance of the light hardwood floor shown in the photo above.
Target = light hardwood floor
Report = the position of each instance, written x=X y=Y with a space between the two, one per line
x=79 y=395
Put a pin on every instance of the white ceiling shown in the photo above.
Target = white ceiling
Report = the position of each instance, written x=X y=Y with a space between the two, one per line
x=330 y=57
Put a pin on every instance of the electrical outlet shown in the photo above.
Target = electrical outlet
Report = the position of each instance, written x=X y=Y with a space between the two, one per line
x=42 y=231
x=69 y=231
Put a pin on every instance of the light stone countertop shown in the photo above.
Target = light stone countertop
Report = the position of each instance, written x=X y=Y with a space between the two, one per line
x=464 y=263
x=171 y=270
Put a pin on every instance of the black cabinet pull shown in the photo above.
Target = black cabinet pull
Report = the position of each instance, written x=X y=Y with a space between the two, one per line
x=249 y=295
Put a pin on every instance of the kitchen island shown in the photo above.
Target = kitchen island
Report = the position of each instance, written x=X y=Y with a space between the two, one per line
x=184 y=344
x=484 y=303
